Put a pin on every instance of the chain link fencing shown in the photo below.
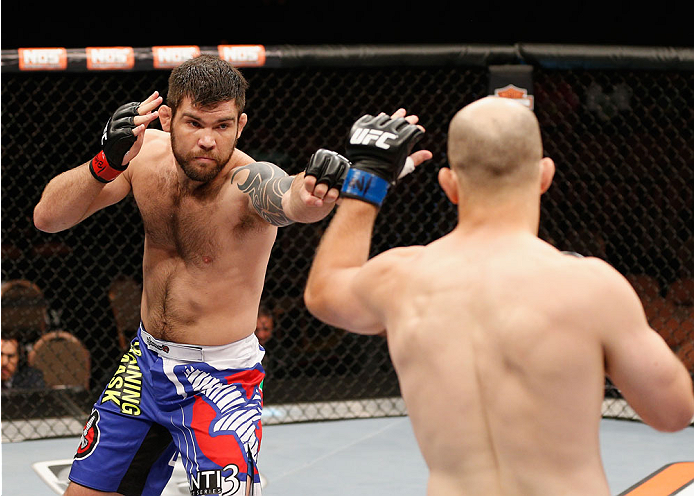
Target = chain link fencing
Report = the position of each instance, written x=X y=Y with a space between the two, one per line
x=624 y=191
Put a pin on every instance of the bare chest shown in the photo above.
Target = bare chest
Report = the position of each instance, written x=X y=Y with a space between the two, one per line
x=195 y=226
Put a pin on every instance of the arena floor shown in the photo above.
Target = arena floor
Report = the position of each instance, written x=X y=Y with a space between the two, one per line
x=362 y=456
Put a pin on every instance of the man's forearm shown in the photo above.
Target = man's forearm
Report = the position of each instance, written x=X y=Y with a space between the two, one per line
x=347 y=241
x=345 y=245
x=66 y=199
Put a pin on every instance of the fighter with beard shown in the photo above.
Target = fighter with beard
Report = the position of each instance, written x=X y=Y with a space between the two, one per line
x=210 y=215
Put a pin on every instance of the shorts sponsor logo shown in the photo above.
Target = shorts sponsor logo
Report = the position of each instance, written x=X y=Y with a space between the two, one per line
x=224 y=482
x=125 y=387
x=90 y=436
x=153 y=344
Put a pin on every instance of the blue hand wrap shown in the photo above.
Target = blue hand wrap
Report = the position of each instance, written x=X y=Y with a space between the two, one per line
x=365 y=186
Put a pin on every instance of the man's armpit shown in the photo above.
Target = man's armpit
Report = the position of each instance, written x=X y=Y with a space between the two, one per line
x=265 y=185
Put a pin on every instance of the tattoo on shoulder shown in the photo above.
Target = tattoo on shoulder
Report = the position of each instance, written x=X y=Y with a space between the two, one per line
x=266 y=185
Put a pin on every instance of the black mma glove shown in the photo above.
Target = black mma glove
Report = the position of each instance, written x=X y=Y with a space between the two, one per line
x=378 y=148
x=117 y=139
x=328 y=167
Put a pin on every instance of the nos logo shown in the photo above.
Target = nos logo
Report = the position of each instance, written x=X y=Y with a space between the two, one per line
x=364 y=136
x=90 y=436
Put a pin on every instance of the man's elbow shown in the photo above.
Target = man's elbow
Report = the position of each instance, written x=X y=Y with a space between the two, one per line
x=312 y=300
x=685 y=415
x=317 y=302
x=674 y=422
x=677 y=413
x=44 y=221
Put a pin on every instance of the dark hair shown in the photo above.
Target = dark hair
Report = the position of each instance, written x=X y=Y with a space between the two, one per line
x=21 y=351
x=13 y=333
x=207 y=80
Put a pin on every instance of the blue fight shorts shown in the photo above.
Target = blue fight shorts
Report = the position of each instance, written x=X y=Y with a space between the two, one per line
x=165 y=400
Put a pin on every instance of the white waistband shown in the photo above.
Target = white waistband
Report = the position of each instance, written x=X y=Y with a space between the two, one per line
x=247 y=348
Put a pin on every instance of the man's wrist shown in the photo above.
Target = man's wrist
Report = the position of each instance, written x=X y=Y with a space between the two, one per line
x=102 y=171
x=365 y=186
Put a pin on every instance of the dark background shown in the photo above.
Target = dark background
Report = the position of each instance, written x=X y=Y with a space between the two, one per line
x=623 y=188
x=272 y=22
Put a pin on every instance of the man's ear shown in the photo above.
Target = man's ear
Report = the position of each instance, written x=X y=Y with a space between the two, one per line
x=243 y=119
x=449 y=183
x=547 y=169
x=165 y=115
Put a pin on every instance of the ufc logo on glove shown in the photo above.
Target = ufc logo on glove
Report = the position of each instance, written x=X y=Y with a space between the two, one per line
x=363 y=136
x=378 y=156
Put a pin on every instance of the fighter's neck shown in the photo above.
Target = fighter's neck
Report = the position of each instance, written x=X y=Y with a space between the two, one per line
x=515 y=214
x=190 y=187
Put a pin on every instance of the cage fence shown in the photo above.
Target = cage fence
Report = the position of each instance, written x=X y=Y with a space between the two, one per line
x=622 y=140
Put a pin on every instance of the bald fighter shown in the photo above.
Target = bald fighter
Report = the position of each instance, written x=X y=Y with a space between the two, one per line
x=501 y=343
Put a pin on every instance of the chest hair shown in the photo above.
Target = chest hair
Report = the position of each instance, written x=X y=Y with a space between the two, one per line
x=196 y=224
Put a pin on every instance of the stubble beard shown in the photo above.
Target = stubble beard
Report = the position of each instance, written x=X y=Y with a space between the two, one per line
x=200 y=174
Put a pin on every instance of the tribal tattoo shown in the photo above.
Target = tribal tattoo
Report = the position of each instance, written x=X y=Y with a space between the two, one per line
x=265 y=185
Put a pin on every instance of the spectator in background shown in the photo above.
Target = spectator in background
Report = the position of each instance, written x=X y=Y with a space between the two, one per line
x=16 y=373
x=265 y=325
x=263 y=331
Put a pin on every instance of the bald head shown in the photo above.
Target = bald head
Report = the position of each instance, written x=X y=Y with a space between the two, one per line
x=495 y=143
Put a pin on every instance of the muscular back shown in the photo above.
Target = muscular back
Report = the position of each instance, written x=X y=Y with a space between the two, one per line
x=503 y=385
x=205 y=251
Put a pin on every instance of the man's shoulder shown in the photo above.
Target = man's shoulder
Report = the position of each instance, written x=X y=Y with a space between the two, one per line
x=398 y=257
x=388 y=267
x=587 y=267
x=240 y=162
x=155 y=153
x=156 y=141
x=240 y=158
x=585 y=284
